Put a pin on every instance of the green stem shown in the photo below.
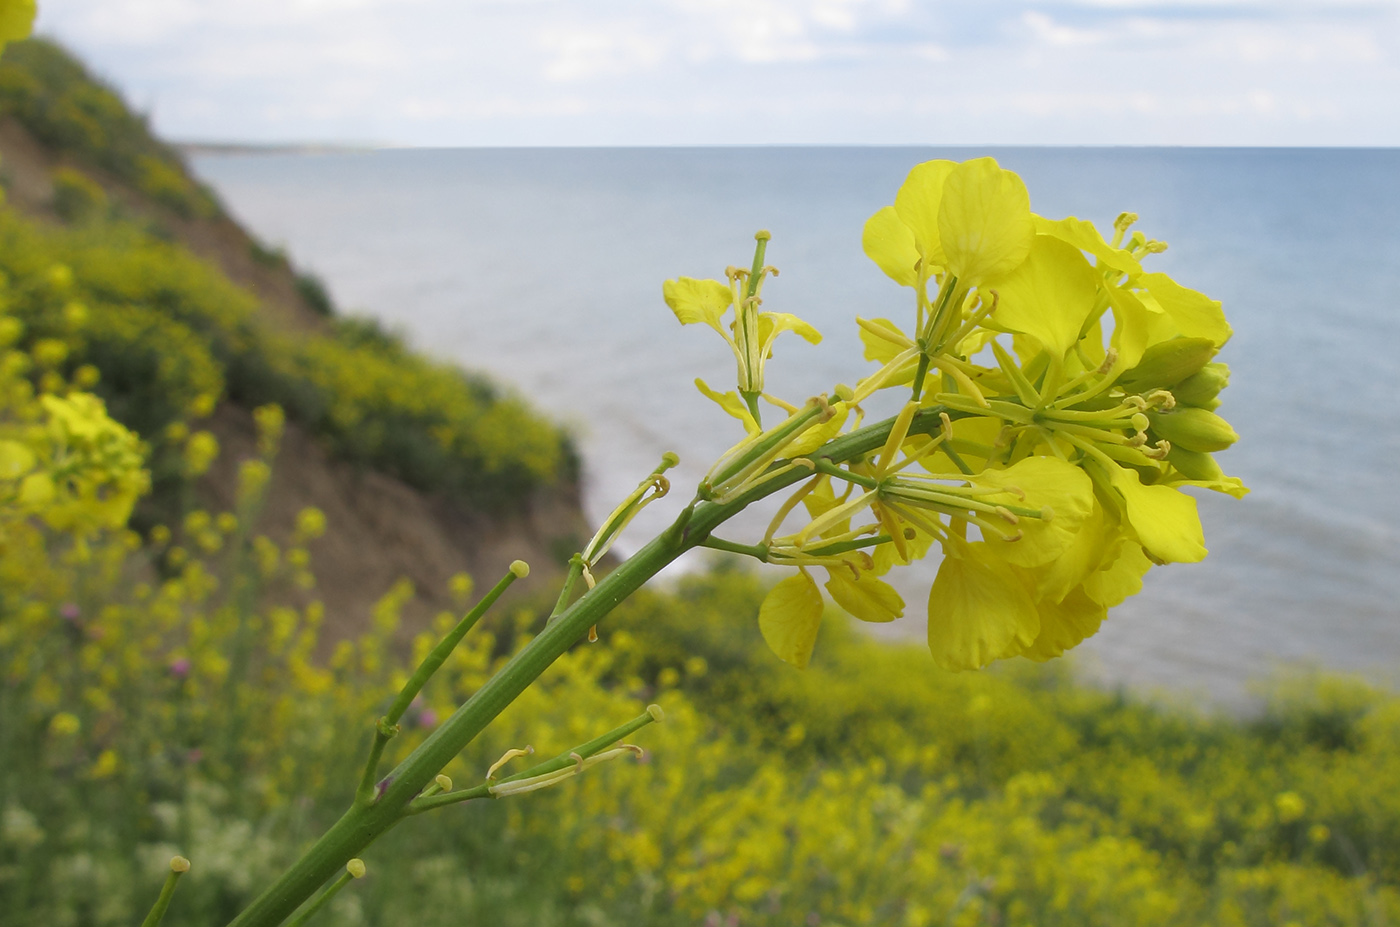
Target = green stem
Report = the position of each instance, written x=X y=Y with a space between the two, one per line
x=771 y=441
x=751 y=399
x=575 y=572
x=919 y=373
x=563 y=760
x=388 y=725
x=756 y=275
x=757 y=551
x=363 y=823
x=841 y=473
x=178 y=867
x=321 y=899
x=842 y=547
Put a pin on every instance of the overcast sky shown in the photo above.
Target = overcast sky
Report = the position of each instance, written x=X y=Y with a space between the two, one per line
x=683 y=72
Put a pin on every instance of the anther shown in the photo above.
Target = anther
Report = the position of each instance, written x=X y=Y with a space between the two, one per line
x=1007 y=515
x=1109 y=359
x=578 y=760
x=1163 y=398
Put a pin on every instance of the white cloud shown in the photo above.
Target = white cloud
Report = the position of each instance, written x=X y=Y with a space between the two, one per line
x=747 y=71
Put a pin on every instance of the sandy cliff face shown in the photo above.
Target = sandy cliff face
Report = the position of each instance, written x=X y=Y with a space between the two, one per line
x=378 y=528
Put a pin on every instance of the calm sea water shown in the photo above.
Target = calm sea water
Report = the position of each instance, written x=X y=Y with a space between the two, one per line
x=544 y=267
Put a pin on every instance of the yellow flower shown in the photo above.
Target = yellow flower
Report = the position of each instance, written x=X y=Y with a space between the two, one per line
x=750 y=335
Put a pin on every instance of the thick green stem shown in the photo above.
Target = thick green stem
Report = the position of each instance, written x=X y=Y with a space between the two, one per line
x=361 y=824
x=388 y=726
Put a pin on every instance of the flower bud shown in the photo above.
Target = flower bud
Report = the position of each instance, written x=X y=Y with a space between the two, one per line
x=1168 y=362
x=1201 y=388
x=1194 y=465
x=1194 y=429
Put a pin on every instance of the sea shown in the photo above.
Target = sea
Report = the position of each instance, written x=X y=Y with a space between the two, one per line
x=543 y=267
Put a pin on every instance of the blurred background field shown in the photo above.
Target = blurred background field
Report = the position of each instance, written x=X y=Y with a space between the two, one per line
x=201 y=679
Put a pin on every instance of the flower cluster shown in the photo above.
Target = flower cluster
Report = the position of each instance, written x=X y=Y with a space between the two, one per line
x=1061 y=397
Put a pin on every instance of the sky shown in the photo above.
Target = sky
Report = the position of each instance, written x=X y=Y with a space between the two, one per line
x=740 y=72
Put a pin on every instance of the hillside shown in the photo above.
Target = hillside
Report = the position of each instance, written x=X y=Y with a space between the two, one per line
x=422 y=471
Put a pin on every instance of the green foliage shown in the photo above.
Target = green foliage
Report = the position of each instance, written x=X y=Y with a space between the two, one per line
x=180 y=717
x=65 y=107
x=77 y=197
x=171 y=335
x=313 y=293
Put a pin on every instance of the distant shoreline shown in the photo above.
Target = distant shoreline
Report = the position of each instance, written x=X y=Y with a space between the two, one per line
x=194 y=149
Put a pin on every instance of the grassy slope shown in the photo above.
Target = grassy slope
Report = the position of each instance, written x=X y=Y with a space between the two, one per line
x=181 y=304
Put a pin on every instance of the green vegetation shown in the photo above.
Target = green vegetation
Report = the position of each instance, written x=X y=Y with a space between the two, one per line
x=171 y=336
x=54 y=96
x=176 y=716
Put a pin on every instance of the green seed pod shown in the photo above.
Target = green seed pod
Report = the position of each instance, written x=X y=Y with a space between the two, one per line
x=1194 y=465
x=1168 y=362
x=1201 y=388
x=1194 y=429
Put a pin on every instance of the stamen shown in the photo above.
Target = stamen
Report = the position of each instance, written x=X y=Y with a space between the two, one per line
x=506 y=758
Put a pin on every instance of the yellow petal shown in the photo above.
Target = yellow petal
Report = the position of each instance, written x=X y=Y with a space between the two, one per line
x=730 y=403
x=865 y=597
x=882 y=348
x=1091 y=549
x=16 y=20
x=1163 y=518
x=1049 y=296
x=773 y=324
x=1119 y=579
x=790 y=617
x=1134 y=325
x=984 y=221
x=15 y=460
x=1065 y=624
x=887 y=556
x=1196 y=315
x=698 y=300
x=37 y=489
x=979 y=610
x=1047 y=482
x=818 y=435
x=890 y=244
x=1083 y=235
x=917 y=204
